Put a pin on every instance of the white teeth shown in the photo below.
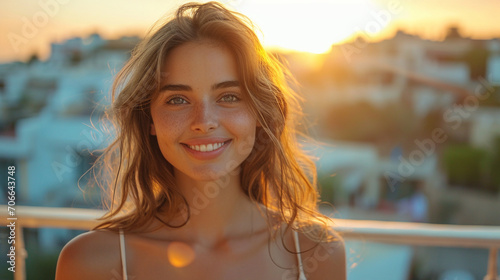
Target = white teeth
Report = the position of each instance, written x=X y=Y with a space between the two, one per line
x=206 y=148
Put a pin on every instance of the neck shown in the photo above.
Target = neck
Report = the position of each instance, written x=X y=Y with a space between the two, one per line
x=219 y=209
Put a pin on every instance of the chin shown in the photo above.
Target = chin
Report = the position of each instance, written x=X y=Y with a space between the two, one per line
x=211 y=174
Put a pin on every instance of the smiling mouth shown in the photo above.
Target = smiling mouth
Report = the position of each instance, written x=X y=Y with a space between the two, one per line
x=205 y=148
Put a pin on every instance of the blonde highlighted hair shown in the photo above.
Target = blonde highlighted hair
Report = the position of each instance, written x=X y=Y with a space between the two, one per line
x=277 y=173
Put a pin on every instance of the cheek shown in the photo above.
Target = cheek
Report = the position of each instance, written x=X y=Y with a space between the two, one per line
x=167 y=127
x=242 y=121
x=167 y=133
x=243 y=126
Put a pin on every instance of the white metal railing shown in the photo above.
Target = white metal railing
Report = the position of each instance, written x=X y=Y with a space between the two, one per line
x=376 y=231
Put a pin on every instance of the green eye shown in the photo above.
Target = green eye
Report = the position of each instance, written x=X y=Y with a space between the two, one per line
x=177 y=101
x=230 y=98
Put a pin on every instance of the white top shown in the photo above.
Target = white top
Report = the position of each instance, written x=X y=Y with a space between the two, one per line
x=123 y=256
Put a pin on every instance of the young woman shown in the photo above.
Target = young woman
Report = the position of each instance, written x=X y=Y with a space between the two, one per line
x=207 y=179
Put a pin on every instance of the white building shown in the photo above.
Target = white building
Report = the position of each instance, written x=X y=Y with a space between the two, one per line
x=53 y=106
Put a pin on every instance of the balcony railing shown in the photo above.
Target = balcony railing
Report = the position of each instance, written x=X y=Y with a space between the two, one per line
x=377 y=231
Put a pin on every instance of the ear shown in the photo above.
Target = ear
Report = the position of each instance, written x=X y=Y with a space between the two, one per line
x=152 y=130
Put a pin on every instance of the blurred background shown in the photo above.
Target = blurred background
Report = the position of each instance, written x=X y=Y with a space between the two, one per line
x=403 y=97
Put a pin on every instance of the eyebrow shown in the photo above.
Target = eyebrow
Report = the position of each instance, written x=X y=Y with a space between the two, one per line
x=180 y=87
x=226 y=84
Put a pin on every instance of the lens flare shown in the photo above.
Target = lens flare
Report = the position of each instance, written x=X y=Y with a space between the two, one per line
x=180 y=254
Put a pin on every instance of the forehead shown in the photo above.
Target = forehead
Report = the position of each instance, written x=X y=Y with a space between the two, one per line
x=199 y=62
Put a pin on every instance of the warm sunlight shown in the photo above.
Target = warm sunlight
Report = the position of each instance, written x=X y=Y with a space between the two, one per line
x=309 y=26
x=29 y=27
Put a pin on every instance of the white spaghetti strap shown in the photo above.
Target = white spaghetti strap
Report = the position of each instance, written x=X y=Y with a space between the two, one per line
x=123 y=255
x=302 y=275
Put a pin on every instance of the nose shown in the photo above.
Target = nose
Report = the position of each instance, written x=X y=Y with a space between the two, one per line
x=205 y=118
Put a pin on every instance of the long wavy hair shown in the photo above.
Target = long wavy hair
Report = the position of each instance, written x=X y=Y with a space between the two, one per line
x=277 y=174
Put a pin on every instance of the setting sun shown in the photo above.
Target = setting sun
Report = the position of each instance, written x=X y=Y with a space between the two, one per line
x=29 y=28
x=308 y=26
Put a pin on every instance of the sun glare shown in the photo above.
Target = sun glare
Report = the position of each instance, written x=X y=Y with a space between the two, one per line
x=180 y=254
x=308 y=26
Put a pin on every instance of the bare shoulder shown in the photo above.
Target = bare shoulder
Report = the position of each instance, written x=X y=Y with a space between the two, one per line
x=91 y=255
x=324 y=255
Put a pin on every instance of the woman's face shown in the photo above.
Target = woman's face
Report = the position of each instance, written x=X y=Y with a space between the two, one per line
x=201 y=117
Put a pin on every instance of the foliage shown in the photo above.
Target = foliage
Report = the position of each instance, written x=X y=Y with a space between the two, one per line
x=365 y=122
x=472 y=167
x=494 y=161
x=329 y=187
x=493 y=99
x=477 y=59
x=40 y=264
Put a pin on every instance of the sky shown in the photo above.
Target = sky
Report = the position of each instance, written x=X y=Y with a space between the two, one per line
x=29 y=26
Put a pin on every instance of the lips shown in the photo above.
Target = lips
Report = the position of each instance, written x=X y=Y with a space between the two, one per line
x=206 y=148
